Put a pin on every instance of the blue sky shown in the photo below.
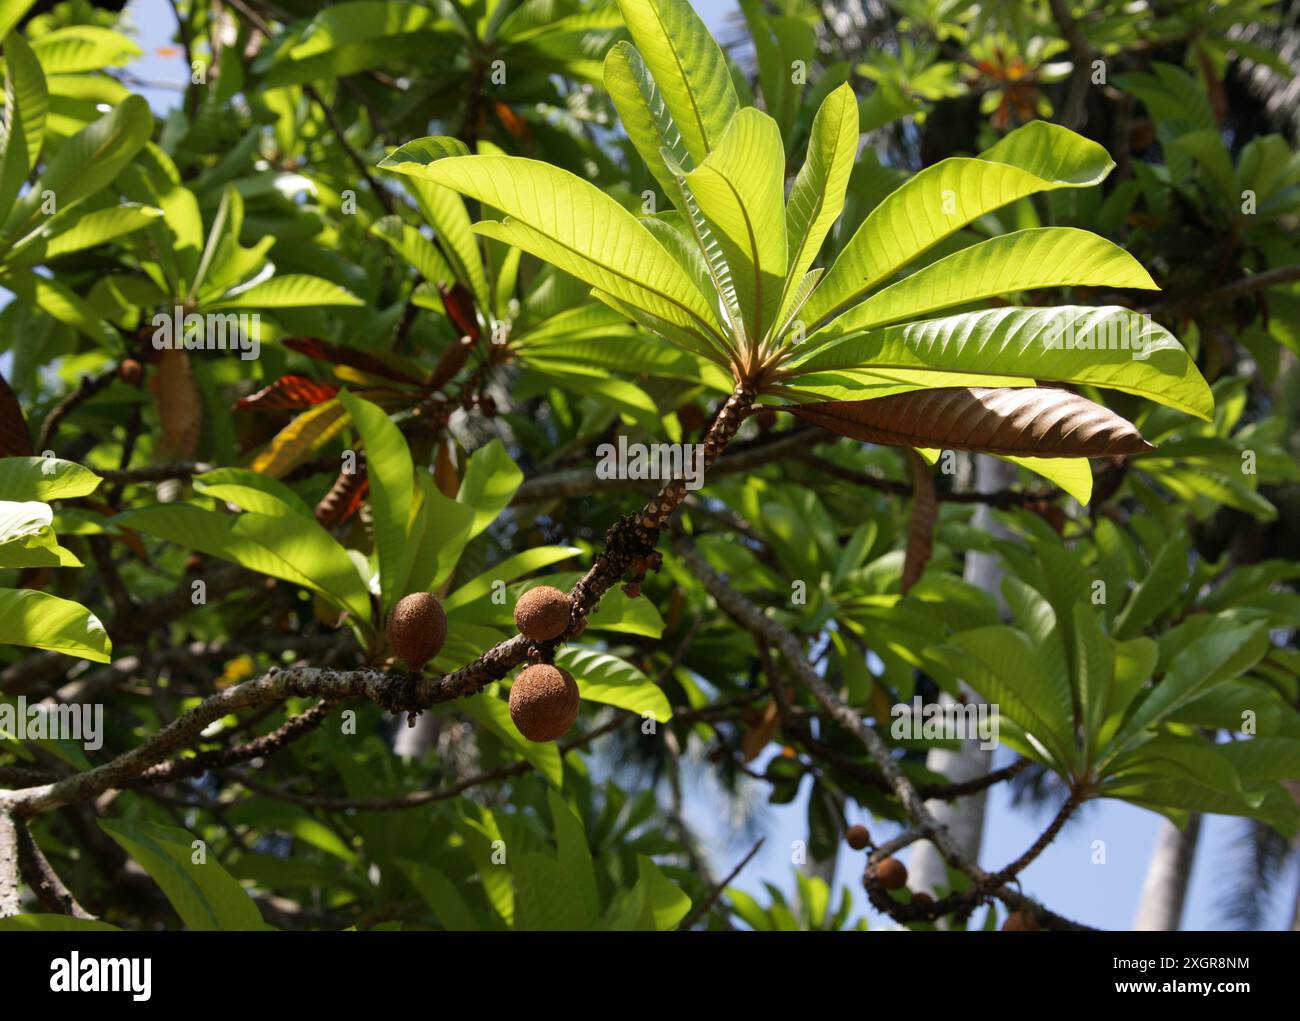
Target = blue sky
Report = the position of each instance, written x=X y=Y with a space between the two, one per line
x=1064 y=877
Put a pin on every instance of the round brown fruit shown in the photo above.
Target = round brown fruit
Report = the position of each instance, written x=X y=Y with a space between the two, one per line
x=544 y=702
x=417 y=627
x=130 y=371
x=858 y=837
x=542 y=613
x=1020 y=921
x=892 y=874
x=922 y=899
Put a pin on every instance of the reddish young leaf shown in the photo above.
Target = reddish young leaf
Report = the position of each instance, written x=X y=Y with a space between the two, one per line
x=459 y=304
x=324 y=351
x=288 y=393
x=15 y=437
x=1023 y=421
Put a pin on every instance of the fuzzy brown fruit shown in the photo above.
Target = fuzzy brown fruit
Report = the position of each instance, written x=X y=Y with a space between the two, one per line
x=892 y=874
x=857 y=837
x=130 y=371
x=542 y=613
x=1020 y=921
x=544 y=702
x=417 y=627
x=922 y=899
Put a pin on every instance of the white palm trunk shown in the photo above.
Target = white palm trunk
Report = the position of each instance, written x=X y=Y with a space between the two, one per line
x=964 y=817
x=1165 y=890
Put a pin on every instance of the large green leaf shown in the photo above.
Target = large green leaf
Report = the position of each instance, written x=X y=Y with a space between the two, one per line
x=64 y=235
x=44 y=478
x=565 y=220
x=945 y=197
x=689 y=68
x=645 y=116
x=817 y=195
x=83 y=164
x=739 y=189
x=490 y=482
x=1003 y=665
x=1220 y=654
x=1025 y=259
x=23 y=133
x=205 y=895
x=280 y=545
x=494 y=714
x=1158 y=590
x=605 y=678
x=43 y=621
x=392 y=490
x=1108 y=346
x=573 y=852
x=293 y=290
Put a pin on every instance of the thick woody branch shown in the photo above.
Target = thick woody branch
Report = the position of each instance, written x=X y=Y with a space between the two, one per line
x=10 y=895
x=631 y=538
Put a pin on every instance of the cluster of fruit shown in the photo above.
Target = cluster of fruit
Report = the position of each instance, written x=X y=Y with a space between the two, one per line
x=544 y=699
x=892 y=875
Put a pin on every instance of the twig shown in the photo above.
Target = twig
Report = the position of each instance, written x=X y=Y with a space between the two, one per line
x=43 y=880
x=1189 y=303
x=87 y=388
x=706 y=905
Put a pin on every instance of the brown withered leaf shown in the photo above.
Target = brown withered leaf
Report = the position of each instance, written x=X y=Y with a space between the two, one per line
x=15 y=437
x=1023 y=421
x=180 y=406
x=445 y=475
x=920 y=527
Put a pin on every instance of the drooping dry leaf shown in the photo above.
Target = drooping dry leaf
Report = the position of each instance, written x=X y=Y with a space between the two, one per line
x=920 y=527
x=445 y=475
x=1026 y=421
x=180 y=406
x=757 y=737
x=15 y=437
x=288 y=393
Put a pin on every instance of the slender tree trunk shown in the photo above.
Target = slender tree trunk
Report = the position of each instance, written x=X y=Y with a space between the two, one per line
x=1168 y=876
x=964 y=817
